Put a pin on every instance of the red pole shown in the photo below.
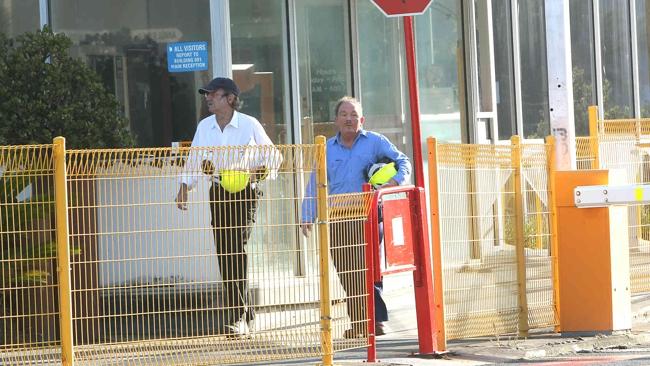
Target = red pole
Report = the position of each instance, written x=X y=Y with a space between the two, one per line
x=414 y=100
x=425 y=306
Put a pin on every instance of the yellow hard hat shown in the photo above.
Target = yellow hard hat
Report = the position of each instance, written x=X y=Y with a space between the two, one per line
x=233 y=181
x=381 y=173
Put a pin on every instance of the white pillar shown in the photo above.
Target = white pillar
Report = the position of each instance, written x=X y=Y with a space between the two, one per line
x=220 y=24
x=560 y=81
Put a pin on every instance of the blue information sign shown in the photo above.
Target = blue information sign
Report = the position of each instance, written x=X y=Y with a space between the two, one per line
x=187 y=56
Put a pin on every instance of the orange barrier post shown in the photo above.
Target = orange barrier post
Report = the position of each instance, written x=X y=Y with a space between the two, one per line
x=406 y=244
x=593 y=263
x=434 y=206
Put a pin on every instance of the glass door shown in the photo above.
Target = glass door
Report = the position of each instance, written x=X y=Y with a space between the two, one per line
x=439 y=40
x=324 y=63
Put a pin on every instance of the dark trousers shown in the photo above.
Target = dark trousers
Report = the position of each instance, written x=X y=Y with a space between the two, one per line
x=347 y=244
x=381 y=311
x=233 y=215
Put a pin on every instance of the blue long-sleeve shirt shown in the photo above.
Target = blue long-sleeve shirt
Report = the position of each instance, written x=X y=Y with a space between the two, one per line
x=347 y=167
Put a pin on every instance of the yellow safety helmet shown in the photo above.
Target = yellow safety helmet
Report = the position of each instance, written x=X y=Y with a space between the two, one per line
x=381 y=173
x=234 y=181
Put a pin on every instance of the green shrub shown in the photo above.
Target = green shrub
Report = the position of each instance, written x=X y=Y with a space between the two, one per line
x=44 y=93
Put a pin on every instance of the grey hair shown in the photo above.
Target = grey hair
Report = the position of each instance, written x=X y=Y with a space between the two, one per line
x=236 y=103
x=351 y=100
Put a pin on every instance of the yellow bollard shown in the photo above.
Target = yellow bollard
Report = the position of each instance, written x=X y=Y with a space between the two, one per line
x=593 y=136
x=539 y=243
x=519 y=229
x=63 y=252
x=434 y=206
x=552 y=204
x=324 y=244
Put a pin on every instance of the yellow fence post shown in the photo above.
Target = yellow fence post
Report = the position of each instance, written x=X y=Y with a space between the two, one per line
x=475 y=222
x=434 y=205
x=552 y=205
x=324 y=244
x=593 y=136
x=63 y=251
x=539 y=221
x=519 y=230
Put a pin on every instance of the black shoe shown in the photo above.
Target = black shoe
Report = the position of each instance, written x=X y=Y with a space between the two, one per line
x=354 y=333
x=380 y=329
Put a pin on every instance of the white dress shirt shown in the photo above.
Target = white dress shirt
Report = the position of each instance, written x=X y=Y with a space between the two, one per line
x=242 y=145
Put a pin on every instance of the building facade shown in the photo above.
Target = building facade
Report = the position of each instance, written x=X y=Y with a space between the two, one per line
x=483 y=66
x=485 y=70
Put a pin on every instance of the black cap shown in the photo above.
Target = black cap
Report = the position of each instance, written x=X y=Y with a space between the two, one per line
x=226 y=84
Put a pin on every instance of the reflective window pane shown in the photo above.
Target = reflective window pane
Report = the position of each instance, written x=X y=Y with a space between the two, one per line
x=504 y=69
x=383 y=80
x=259 y=57
x=125 y=41
x=584 y=64
x=18 y=16
x=534 y=71
x=438 y=36
x=616 y=58
x=324 y=63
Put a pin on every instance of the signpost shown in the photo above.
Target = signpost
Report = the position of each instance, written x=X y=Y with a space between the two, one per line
x=406 y=9
x=399 y=8
x=187 y=56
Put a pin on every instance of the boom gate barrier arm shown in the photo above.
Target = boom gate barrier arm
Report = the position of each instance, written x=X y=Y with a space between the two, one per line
x=406 y=243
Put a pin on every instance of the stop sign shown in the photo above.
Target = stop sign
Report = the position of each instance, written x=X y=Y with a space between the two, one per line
x=398 y=8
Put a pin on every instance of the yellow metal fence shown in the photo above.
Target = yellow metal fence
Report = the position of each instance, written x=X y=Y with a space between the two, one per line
x=29 y=311
x=496 y=237
x=624 y=144
x=152 y=284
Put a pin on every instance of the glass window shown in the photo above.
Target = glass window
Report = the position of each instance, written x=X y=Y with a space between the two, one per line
x=259 y=57
x=125 y=41
x=381 y=74
x=504 y=69
x=18 y=16
x=616 y=58
x=643 y=36
x=438 y=38
x=323 y=62
x=534 y=71
x=584 y=64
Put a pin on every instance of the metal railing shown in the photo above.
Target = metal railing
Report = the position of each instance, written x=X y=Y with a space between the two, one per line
x=29 y=301
x=496 y=236
x=142 y=282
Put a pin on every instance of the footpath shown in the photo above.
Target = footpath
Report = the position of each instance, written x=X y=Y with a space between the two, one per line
x=399 y=347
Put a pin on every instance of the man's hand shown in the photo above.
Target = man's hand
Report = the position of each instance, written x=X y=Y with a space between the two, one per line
x=391 y=183
x=181 y=197
x=259 y=174
x=305 y=227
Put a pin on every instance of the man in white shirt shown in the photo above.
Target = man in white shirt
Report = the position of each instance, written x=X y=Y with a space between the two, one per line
x=234 y=163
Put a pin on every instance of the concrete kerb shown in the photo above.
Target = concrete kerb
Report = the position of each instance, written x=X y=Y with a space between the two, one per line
x=546 y=345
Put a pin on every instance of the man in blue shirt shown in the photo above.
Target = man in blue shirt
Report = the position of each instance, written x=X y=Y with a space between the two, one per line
x=349 y=155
